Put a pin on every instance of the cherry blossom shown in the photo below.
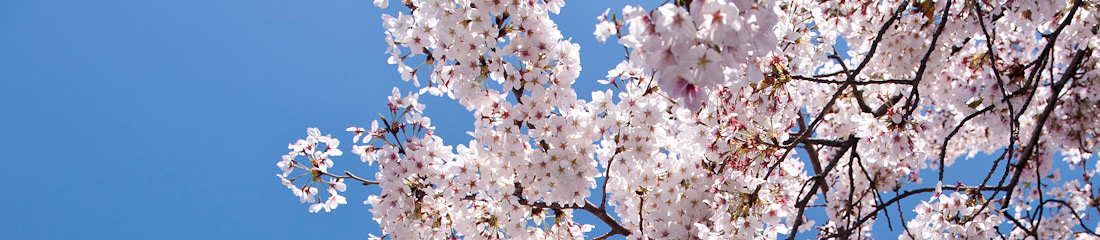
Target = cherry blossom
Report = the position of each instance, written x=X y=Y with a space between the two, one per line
x=733 y=120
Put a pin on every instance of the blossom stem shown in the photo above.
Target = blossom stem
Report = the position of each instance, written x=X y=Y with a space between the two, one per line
x=351 y=176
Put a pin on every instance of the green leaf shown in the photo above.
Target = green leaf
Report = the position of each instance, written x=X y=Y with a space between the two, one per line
x=974 y=104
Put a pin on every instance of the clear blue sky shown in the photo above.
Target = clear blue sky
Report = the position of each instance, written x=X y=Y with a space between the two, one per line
x=164 y=119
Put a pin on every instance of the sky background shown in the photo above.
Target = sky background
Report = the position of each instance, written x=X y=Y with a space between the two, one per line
x=164 y=119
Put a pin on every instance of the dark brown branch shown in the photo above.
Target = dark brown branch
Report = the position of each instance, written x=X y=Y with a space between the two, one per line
x=820 y=177
x=874 y=187
x=902 y=217
x=1021 y=225
x=599 y=212
x=1040 y=62
x=990 y=174
x=907 y=194
x=607 y=177
x=886 y=105
x=831 y=74
x=1052 y=102
x=851 y=77
x=605 y=235
x=815 y=160
x=914 y=93
x=851 y=80
x=992 y=54
x=857 y=83
x=818 y=180
x=825 y=142
x=943 y=150
x=1075 y=215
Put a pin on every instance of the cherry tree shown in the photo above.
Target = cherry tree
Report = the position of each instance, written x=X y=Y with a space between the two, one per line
x=706 y=127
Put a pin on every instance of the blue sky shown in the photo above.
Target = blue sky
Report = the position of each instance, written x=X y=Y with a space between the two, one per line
x=164 y=119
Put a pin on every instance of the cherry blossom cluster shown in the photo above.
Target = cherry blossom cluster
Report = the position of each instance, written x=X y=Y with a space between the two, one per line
x=734 y=120
x=319 y=161
x=698 y=45
x=712 y=174
x=522 y=175
x=953 y=216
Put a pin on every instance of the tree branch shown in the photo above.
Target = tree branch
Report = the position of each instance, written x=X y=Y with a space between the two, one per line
x=857 y=83
x=599 y=212
x=914 y=93
x=1052 y=102
x=815 y=160
x=818 y=179
x=906 y=194
x=943 y=150
x=351 y=176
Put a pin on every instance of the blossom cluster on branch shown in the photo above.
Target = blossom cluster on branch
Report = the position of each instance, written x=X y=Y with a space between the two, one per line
x=697 y=135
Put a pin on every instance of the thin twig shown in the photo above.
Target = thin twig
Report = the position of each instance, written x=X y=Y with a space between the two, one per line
x=351 y=176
